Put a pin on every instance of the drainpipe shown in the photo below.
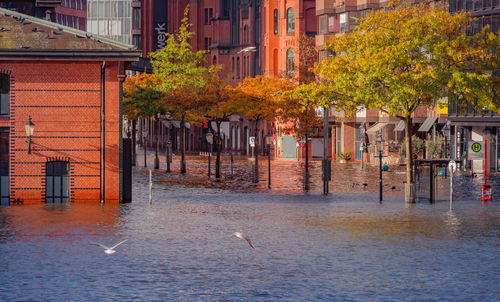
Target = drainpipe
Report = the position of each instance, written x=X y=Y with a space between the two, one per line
x=102 y=166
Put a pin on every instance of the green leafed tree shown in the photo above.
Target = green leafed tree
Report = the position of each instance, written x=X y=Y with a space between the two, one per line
x=181 y=74
x=410 y=55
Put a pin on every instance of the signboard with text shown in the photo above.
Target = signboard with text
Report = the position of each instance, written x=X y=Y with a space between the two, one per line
x=159 y=24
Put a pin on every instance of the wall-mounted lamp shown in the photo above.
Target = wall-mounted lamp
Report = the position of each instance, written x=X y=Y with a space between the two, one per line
x=30 y=128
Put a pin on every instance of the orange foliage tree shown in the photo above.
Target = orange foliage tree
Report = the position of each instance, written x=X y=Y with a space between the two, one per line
x=258 y=99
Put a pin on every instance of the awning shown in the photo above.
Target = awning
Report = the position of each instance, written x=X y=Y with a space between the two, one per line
x=377 y=127
x=426 y=126
x=400 y=126
x=176 y=124
x=224 y=128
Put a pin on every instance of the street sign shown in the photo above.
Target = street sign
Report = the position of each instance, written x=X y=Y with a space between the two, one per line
x=452 y=166
x=476 y=151
x=210 y=138
x=251 y=141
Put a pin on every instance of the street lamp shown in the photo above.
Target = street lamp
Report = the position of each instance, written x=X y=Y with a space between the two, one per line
x=30 y=128
x=210 y=140
x=168 y=147
x=380 y=147
x=363 y=142
x=446 y=134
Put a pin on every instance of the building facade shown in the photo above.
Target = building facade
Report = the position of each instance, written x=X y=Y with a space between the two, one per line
x=60 y=119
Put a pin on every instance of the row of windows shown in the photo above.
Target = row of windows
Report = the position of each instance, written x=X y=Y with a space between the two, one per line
x=246 y=67
x=75 y=4
x=109 y=9
x=209 y=13
x=71 y=21
x=472 y=5
x=290 y=21
x=118 y=29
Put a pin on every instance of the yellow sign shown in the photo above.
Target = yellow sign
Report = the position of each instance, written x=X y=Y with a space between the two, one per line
x=442 y=106
x=476 y=147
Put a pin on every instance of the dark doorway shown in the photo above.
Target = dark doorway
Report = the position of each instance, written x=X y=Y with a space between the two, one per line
x=57 y=181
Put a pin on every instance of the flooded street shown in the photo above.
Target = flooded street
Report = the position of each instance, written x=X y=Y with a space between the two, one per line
x=308 y=247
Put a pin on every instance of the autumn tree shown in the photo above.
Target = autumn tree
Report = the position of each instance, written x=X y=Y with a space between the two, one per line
x=257 y=98
x=181 y=74
x=410 y=55
x=297 y=112
x=218 y=97
x=141 y=100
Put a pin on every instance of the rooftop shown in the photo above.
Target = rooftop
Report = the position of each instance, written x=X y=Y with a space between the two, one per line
x=26 y=36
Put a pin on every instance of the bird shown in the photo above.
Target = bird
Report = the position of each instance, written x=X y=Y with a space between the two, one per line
x=109 y=250
x=248 y=49
x=241 y=236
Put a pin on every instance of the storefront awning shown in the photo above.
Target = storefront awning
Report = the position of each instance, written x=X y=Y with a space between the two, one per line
x=400 y=126
x=377 y=127
x=176 y=124
x=427 y=124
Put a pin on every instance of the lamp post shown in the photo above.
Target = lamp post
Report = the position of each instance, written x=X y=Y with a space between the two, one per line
x=446 y=134
x=380 y=147
x=362 y=144
x=30 y=128
x=168 y=146
x=210 y=140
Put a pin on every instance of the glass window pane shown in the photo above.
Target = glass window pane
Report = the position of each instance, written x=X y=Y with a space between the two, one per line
x=49 y=187
x=57 y=186
x=4 y=186
x=65 y=186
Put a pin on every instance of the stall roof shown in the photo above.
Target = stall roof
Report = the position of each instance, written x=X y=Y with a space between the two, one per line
x=427 y=124
x=376 y=127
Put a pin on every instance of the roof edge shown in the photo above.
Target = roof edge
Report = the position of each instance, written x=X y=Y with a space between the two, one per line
x=67 y=29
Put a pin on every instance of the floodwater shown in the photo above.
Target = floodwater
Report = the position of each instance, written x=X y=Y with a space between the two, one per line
x=308 y=247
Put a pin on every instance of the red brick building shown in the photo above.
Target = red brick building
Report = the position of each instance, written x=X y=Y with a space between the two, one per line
x=67 y=83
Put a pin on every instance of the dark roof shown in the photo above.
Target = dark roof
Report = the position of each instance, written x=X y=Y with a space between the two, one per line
x=26 y=36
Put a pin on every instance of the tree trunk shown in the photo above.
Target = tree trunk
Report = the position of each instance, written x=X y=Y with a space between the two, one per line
x=256 y=152
x=183 y=146
x=134 y=149
x=409 y=194
x=217 y=159
x=306 y=176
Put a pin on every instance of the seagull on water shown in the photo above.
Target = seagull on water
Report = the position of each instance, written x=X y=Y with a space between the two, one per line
x=241 y=236
x=109 y=250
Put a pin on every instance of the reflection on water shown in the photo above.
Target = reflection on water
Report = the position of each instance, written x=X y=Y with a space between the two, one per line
x=343 y=247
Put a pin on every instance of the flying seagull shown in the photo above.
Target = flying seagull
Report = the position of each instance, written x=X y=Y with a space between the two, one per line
x=109 y=250
x=248 y=49
x=241 y=236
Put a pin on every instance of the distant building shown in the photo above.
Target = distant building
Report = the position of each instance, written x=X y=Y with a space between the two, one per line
x=66 y=85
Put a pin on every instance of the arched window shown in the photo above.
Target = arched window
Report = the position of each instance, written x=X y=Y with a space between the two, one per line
x=57 y=181
x=245 y=33
x=290 y=21
x=290 y=61
x=275 y=16
x=215 y=60
x=5 y=94
x=238 y=67
x=232 y=67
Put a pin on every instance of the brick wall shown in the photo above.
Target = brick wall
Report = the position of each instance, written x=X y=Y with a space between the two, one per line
x=63 y=100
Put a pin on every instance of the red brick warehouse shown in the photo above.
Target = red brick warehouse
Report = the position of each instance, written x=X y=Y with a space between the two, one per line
x=68 y=84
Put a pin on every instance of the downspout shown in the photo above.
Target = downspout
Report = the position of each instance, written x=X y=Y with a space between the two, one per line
x=102 y=121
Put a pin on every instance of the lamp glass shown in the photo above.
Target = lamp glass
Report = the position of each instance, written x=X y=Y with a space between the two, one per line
x=30 y=127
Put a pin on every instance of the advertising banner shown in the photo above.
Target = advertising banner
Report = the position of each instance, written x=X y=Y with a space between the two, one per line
x=159 y=24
